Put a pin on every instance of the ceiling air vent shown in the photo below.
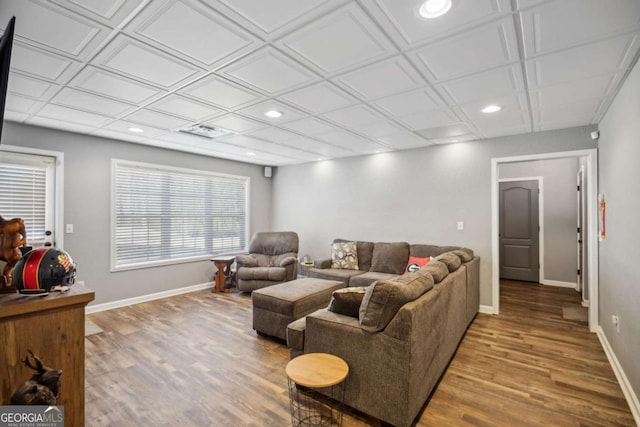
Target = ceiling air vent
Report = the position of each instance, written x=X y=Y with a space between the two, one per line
x=209 y=132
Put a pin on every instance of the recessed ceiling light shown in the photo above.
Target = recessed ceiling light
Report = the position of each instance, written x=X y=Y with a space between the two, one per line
x=137 y=130
x=251 y=153
x=434 y=8
x=491 y=109
x=274 y=114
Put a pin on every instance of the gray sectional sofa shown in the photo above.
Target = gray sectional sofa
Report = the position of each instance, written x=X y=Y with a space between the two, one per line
x=405 y=332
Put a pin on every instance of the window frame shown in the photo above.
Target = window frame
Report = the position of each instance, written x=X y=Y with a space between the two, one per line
x=186 y=172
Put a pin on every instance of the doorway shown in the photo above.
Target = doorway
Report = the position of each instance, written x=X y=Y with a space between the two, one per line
x=588 y=158
x=519 y=230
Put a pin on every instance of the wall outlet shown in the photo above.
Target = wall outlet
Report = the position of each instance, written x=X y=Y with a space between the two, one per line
x=460 y=225
x=68 y=228
x=616 y=321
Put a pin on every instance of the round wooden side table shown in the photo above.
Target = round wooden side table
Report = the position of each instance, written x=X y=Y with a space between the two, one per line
x=316 y=389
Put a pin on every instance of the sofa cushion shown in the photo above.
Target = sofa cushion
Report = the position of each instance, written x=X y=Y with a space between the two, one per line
x=421 y=250
x=390 y=257
x=416 y=263
x=383 y=299
x=347 y=301
x=437 y=269
x=368 y=278
x=334 y=274
x=452 y=261
x=344 y=255
x=465 y=254
x=365 y=253
x=262 y=273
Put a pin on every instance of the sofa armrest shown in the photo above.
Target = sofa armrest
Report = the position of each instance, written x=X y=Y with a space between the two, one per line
x=322 y=263
x=246 y=261
x=287 y=261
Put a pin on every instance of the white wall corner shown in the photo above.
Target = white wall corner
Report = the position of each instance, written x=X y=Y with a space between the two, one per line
x=487 y=309
x=625 y=385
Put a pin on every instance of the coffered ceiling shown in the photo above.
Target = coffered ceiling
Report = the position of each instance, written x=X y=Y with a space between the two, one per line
x=350 y=77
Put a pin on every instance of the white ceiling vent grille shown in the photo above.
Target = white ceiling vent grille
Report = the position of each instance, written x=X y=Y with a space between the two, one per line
x=209 y=132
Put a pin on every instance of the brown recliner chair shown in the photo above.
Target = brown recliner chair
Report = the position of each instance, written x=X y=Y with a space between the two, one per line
x=272 y=259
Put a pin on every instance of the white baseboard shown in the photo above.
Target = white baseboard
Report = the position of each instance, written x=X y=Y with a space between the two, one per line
x=144 y=298
x=558 y=283
x=625 y=385
x=487 y=309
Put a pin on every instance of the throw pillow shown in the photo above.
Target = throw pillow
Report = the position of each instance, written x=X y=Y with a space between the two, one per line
x=416 y=263
x=344 y=255
x=347 y=301
x=390 y=257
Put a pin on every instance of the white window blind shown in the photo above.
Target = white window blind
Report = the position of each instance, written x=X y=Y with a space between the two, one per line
x=164 y=214
x=26 y=183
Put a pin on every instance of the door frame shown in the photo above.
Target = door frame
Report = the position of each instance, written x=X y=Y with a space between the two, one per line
x=58 y=197
x=540 y=221
x=591 y=175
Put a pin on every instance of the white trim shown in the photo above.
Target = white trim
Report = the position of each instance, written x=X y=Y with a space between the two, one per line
x=558 y=283
x=625 y=385
x=487 y=309
x=58 y=209
x=591 y=157
x=540 y=219
x=146 y=298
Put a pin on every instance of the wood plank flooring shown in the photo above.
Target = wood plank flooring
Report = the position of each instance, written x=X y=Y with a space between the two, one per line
x=193 y=360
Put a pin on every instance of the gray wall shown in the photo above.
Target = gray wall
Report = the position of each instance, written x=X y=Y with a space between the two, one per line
x=560 y=212
x=619 y=252
x=414 y=195
x=87 y=189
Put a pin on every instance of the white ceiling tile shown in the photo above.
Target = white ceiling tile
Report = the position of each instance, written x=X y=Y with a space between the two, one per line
x=56 y=123
x=605 y=57
x=123 y=126
x=258 y=111
x=216 y=91
x=357 y=115
x=488 y=84
x=407 y=103
x=20 y=104
x=427 y=120
x=157 y=120
x=319 y=98
x=300 y=142
x=268 y=71
x=414 y=29
x=573 y=91
x=142 y=62
x=547 y=29
x=183 y=138
x=30 y=87
x=88 y=102
x=185 y=108
x=39 y=23
x=258 y=144
x=108 y=12
x=404 y=140
x=119 y=136
x=349 y=141
x=566 y=115
x=112 y=85
x=509 y=104
x=172 y=24
x=236 y=123
x=272 y=15
x=396 y=73
x=39 y=63
x=380 y=129
x=309 y=126
x=71 y=115
x=496 y=131
x=479 y=49
x=14 y=116
x=341 y=40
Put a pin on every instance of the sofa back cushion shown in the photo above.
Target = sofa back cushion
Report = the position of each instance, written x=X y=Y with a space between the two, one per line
x=465 y=254
x=365 y=253
x=437 y=269
x=419 y=250
x=383 y=298
x=451 y=260
x=390 y=257
x=347 y=301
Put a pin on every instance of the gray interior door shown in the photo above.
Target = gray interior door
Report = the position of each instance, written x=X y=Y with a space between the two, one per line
x=519 y=231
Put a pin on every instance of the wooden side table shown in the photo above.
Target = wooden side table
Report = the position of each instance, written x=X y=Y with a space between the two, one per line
x=316 y=389
x=304 y=268
x=223 y=264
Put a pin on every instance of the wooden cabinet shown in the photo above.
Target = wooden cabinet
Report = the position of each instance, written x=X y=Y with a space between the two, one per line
x=53 y=328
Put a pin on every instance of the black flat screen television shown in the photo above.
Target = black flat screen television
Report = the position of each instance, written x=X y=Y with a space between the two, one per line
x=5 y=63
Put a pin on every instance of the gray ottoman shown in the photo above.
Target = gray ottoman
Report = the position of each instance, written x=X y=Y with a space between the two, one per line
x=274 y=307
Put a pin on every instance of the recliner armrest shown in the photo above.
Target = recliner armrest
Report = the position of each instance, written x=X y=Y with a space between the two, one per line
x=246 y=261
x=287 y=261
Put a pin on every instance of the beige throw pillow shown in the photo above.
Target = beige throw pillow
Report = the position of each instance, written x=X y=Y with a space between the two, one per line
x=344 y=255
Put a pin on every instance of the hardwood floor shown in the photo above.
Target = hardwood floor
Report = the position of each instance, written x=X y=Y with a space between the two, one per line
x=193 y=360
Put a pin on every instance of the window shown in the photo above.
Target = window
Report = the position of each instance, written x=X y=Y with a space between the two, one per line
x=27 y=184
x=163 y=215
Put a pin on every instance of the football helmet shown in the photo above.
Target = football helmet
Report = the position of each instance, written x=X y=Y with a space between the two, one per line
x=40 y=270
